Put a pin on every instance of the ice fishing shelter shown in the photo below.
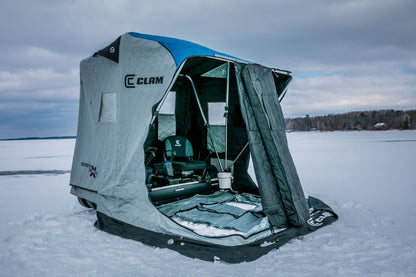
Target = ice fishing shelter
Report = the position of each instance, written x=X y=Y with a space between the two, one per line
x=154 y=174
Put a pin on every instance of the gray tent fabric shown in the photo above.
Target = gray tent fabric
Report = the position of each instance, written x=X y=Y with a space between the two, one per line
x=166 y=126
x=279 y=185
x=216 y=136
x=222 y=210
x=244 y=223
x=122 y=89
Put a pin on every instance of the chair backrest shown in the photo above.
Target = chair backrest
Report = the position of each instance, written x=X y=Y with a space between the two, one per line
x=177 y=146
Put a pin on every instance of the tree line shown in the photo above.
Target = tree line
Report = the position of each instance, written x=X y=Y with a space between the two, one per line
x=364 y=120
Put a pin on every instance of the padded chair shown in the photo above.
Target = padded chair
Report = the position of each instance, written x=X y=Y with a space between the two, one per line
x=179 y=150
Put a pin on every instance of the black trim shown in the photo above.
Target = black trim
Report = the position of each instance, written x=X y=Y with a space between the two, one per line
x=211 y=252
x=110 y=52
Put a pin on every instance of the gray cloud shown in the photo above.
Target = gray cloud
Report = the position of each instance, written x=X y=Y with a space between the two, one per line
x=332 y=94
x=345 y=55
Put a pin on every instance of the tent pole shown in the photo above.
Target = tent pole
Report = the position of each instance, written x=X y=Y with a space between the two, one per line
x=204 y=118
x=282 y=95
x=226 y=113
x=239 y=154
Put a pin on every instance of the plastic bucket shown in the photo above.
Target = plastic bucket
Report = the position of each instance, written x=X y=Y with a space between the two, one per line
x=224 y=180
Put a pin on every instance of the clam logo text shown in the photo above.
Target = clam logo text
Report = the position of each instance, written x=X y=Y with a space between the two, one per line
x=132 y=81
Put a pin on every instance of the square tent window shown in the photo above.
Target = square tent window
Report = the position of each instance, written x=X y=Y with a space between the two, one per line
x=108 y=108
x=168 y=107
x=216 y=113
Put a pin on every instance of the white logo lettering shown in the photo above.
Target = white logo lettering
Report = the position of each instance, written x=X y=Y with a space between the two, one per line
x=318 y=221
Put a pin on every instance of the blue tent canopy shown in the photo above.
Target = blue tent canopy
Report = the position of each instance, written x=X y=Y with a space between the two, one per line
x=182 y=49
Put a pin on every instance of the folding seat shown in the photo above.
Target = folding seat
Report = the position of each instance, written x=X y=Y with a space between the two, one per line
x=179 y=151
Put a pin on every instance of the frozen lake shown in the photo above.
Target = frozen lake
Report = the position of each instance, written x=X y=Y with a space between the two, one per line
x=368 y=178
x=373 y=169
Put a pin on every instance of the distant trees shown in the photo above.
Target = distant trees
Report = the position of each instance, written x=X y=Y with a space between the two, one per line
x=308 y=122
x=406 y=122
x=364 y=120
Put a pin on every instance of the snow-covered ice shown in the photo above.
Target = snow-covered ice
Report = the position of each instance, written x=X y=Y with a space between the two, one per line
x=368 y=178
x=243 y=206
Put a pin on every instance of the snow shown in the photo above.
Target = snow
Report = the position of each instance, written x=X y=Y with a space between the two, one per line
x=205 y=229
x=368 y=178
x=243 y=206
x=54 y=154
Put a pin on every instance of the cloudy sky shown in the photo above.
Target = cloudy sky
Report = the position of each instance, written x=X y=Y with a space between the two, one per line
x=345 y=55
